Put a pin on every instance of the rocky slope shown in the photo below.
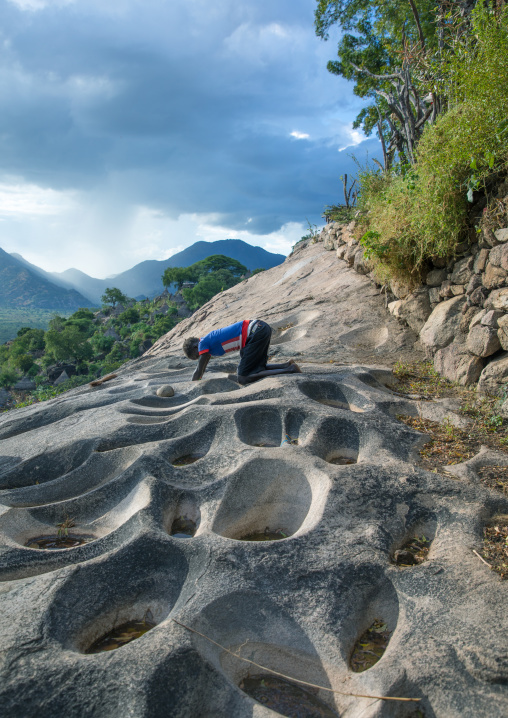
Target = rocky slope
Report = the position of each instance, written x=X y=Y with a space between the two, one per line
x=316 y=464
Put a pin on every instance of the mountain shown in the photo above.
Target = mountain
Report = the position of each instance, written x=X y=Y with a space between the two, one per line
x=24 y=286
x=144 y=279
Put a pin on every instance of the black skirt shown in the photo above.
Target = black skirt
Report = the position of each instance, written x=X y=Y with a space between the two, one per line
x=254 y=355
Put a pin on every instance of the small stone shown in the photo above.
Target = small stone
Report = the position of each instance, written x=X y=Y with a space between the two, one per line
x=494 y=276
x=446 y=289
x=467 y=317
x=474 y=283
x=462 y=271
x=499 y=256
x=457 y=289
x=477 y=317
x=491 y=317
x=498 y=299
x=479 y=296
x=165 y=390
x=435 y=277
x=480 y=261
x=61 y=379
x=494 y=377
x=501 y=234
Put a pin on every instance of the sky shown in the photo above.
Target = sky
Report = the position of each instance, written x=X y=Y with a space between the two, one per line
x=130 y=129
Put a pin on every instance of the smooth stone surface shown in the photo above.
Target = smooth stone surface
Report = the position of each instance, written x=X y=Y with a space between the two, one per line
x=482 y=341
x=456 y=363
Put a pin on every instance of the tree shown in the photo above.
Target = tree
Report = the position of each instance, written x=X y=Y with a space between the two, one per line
x=381 y=49
x=70 y=343
x=113 y=296
x=130 y=316
x=178 y=275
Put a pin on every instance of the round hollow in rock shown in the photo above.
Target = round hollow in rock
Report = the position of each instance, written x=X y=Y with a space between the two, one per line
x=332 y=394
x=259 y=426
x=271 y=493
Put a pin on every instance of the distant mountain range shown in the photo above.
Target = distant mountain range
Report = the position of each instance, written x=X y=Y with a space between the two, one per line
x=24 y=284
x=21 y=287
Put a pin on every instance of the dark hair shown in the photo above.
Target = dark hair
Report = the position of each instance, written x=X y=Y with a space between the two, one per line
x=190 y=348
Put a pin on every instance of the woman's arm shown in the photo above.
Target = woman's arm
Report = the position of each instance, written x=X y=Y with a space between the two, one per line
x=200 y=370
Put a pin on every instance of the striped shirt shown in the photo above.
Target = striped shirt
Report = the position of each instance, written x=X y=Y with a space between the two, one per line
x=227 y=339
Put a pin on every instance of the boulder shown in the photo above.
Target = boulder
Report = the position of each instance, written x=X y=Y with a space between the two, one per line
x=54 y=371
x=480 y=261
x=446 y=290
x=328 y=242
x=491 y=318
x=165 y=391
x=462 y=271
x=4 y=398
x=349 y=256
x=493 y=379
x=457 y=289
x=477 y=317
x=501 y=234
x=434 y=295
x=502 y=331
x=498 y=299
x=499 y=256
x=455 y=363
x=474 y=283
x=25 y=384
x=398 y=289
x=467 y=317
x=361 y=265
x=478 y=296
x=61 y=379
x=482 y=341
x=442 y=325
x=341 y=251
x=144 y=346
x=435 y=277
x=494 y=276
x=415 y=309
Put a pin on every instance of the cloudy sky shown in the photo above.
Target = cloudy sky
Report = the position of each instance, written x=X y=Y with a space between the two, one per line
x=130 y=129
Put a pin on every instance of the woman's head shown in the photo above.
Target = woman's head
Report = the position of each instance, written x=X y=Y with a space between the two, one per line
x=190 y=348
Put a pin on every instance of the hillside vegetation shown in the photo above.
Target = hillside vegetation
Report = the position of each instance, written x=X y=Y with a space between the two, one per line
x=87 y=344
x=438 y=81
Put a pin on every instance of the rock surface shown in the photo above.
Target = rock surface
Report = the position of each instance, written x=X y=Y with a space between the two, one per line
x=318 y=457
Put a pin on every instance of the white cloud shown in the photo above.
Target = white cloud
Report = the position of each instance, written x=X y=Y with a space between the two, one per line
x=355 y=137
x=18 y=199
x=300 y=135
x=35 y=5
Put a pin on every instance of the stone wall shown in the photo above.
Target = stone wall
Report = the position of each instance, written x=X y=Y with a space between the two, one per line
x=460 y=313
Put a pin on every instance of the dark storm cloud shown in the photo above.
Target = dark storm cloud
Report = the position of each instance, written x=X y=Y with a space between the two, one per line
x=183 y=105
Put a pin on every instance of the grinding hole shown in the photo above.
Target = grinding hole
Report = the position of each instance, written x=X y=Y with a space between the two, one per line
x=186 y=459
x=259 y=426
x=412 y=552
x=284 y=697
x=56 y=542
x=269 y=495
x=121 y=635
x=183 y=527
x=330 y=394
x=370 y=646
x=415 y=547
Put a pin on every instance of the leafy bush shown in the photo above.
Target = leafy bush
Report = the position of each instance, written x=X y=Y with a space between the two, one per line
x=8 y=378
x=421 y=212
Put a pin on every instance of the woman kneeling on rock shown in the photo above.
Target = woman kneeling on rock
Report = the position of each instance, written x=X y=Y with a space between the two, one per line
x=251 y=337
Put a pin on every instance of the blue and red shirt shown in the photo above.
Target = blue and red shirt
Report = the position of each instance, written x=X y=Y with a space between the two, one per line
x=227 y=339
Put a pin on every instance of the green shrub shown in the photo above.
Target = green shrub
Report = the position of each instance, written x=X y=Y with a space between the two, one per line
x=420 y=212
x=8 y=378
